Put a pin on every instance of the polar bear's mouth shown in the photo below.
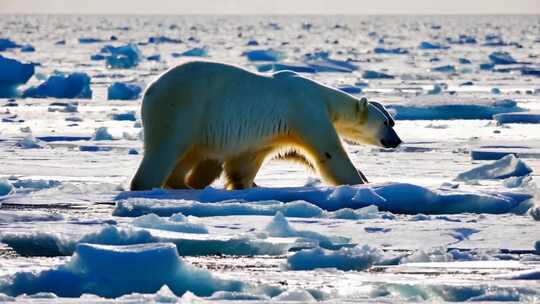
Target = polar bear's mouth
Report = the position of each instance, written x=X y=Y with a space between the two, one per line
x=352 y=142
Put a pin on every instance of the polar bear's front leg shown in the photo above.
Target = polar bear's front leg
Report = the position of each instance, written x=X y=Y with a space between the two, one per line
x=241 y=170
x=155 y=167
x=321 y=141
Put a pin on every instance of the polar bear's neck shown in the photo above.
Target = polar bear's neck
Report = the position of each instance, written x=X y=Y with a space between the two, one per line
x=341 y=106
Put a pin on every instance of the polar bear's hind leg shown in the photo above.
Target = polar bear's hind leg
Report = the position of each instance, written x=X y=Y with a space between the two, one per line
x=204 y=173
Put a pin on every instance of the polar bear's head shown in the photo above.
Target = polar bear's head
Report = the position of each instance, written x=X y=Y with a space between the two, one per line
x=370 y=124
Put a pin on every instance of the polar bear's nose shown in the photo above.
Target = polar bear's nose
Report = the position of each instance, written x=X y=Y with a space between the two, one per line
x=391 y=143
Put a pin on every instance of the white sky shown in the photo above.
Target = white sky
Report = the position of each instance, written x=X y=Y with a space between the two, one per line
x=358 y=7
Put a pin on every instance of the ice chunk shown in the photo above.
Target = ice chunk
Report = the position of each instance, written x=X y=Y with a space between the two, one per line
x=156 y=57
x=97 y=57
x=6 y=43
x=279 y=227
x=532 y=274
x=76 y=85
x=394 y=51
x=532 y=117
x=27 y=48
x=368 y=74
x=102 y=133
x=163 y=39
x=7 y=217
x=6 y=188
x=357 y=258
x=321 y=62
x=425 y=45
x=530 y=71
x=501 y=58
x=122 y=57
x=90 y=40
x=432 y=110
x=444 y=69
x=36 y=184
x=351 y=89
x=503 y=168
x=276 y=67
x=12 y=74
x=437 y=254
x=462 y=39
x=30 y=142
x=263 y=55
x=437 y=89
x=295 y=295
x=128 y=116
x=194 y=52
x=535 y=213
x=176 y=223
x=368 y=212
x=112 y=271
x=123 y=91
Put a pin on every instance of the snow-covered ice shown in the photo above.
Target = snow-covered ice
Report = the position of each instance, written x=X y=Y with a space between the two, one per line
x=505 y=167
x=463 y=90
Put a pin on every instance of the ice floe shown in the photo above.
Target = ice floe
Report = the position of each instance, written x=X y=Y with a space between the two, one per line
x=505 y=167
x=30 y=142
x=321 y=62
x=441 y=109
x=6 y=188
x=263 y=55
x=13 y=74
x=393 y=197
x=276 y=67
x=194 y=52
x=502 y=58
x=75 y=85
x=360 y=257
x=177 y=223
x=122 y=57
x=532 y=117
x=6 y=43
x=280 y=227
x=123 y=91
x=426 y=45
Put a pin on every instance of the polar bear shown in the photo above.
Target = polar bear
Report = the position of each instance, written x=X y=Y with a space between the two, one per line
x=203 y=118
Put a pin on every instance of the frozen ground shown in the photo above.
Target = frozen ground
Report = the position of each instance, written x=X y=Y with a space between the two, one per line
x=428 y=228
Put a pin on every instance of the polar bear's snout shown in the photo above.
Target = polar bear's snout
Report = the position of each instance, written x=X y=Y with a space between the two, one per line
x=391 y=139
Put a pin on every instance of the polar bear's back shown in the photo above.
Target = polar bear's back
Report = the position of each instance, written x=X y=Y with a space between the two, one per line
x=229 y=106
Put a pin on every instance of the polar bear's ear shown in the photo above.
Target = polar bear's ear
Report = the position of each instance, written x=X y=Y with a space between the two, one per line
x=361 y=106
